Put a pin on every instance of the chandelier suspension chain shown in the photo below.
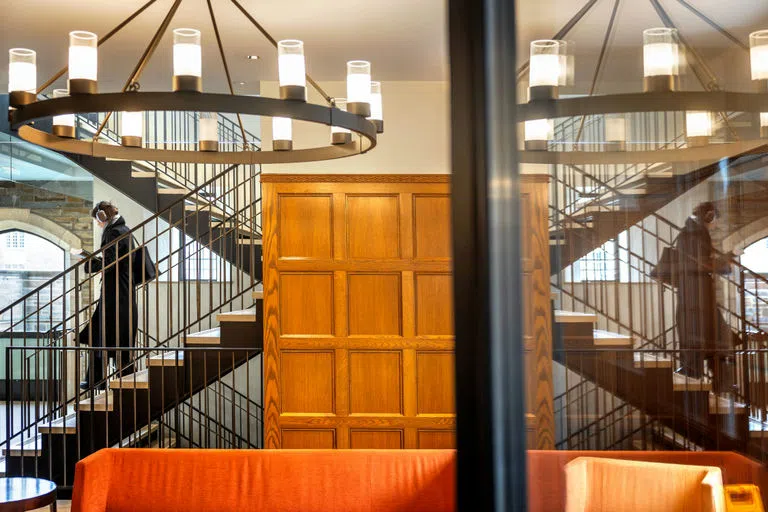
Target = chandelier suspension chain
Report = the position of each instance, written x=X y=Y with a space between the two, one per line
x=226 y=69
x=600 y=61
x=709 y=21
x=272 y=40
x=561 y=33
x=148 y=52
x=102 y=40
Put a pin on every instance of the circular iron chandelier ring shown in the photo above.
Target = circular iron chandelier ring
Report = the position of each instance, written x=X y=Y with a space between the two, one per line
x=23 y=118
x=716 y=101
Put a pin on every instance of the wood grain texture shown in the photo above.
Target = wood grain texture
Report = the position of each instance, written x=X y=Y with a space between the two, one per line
x=351 y=302
x=355 y=178
x=436 y=439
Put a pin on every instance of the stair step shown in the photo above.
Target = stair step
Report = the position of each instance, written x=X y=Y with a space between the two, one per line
x=722 y=405
x=603 y=338
x=32 y=447
x=65 y=425
x=685 y=383
x=143 y=433
x=757 y=430
x=245 y=315
x=249 y=241
x=173 y=191
x=258 y=293
x=169 y=441
x=209 y=337
x=572 y=317
x=143 y=174
x=138 y=380
x=643 y=360
x=105 y=401
x=167 y=358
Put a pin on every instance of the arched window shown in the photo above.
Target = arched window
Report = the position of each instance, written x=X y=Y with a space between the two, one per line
x=26 y=262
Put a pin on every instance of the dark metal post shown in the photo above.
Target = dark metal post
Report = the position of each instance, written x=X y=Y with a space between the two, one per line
x=486 y=245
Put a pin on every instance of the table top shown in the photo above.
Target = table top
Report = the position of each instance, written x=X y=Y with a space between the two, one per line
x=35 y=492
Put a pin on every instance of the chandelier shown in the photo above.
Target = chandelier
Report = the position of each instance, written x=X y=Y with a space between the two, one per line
x=551 y=67
x=354 y=121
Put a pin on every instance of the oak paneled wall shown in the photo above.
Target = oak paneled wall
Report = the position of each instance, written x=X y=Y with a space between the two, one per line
x=359 y=347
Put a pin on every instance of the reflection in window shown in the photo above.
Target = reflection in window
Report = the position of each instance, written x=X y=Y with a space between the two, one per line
x=755 y=258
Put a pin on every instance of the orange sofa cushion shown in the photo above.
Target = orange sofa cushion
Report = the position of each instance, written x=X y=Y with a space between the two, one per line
x=123 y=480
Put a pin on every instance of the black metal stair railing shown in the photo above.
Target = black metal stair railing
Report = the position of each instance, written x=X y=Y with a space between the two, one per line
x=209 y=260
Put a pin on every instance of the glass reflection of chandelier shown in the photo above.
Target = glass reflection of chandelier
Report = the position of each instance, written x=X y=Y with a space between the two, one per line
x=551 y=67
x=361 y=115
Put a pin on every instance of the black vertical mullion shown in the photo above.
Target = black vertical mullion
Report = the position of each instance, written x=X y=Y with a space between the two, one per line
x=487 y=265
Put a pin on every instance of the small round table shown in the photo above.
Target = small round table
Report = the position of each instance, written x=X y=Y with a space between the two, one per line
x=21 y=494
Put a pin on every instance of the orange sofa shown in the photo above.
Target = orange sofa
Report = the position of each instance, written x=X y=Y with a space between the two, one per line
x=136 y=480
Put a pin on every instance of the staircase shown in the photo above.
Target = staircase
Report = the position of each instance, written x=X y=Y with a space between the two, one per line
x=196 y=375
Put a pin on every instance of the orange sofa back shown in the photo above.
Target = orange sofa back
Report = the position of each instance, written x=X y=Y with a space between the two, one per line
x=122 y=480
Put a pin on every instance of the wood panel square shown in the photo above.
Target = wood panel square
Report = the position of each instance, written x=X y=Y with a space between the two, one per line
x=307 y=380
x=306 y=303
x=435 y=383
x=373 y=227
x=374 y=304
x=305 y=439
x=305 y=229
x=431 y=226
x=363 y=439
x=434 y=304
x=375 y=382
x=437 y=439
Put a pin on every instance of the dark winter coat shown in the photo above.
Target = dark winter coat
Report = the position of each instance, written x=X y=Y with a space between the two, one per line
x=116 y=307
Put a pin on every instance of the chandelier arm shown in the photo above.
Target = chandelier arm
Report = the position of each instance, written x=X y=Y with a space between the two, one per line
x=709 y=21
x=562 y=32
x=102 y=40
x=151 y=47
x=226 y=69
x=599 y=66
x=711 y=83
x=273 y=41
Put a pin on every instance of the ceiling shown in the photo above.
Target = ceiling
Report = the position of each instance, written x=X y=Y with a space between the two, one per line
x=404 y=39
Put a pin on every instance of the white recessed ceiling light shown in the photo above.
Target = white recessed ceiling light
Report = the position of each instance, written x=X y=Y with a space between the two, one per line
x=253 y=57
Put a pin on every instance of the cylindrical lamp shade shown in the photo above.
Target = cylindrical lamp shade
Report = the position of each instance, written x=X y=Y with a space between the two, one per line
x=758 y=54
x=547 y=68
x=340 y=135
x=615 y=133
x=291 y=70
x=661 y=59
x=63 y=126
x=83 y=62
x=359 y=87
x=698 y=127
x=131 y=128
x=22 y=76
x=377 y=111
x=538 y=133
x=187 y=60
x=208 y=131
x=282 y=134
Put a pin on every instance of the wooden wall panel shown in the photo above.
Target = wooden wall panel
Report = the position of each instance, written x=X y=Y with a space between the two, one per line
x=358 y=336
x=364 y=439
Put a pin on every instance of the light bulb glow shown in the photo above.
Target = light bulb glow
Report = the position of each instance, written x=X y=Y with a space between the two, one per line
x=67 y=119
x=758 y=54
x=22 y=70
x=548 y=63
x=132 y=124
x=377 y=111
x=83 y=56
x=291 y=67
x=698 y=124
x=763 y=118
x=539 y=129
x=661 y=56
x=209 y=127
x=282 y=128
x=358 y=81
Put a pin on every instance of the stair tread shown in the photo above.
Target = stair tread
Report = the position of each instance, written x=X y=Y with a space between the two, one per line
x=258 y=292
x=65 y=425
x=207 y=337
x=249 y=241
x=645 y=360
x=104 y=401
x=173 y=191
x=566 y=317
x=685 y=383
x=722 y=405
x=138 y=380
x=611 y=338
x=29 y=447
x=143 y=174
x=244 y=315
x=167 y=358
